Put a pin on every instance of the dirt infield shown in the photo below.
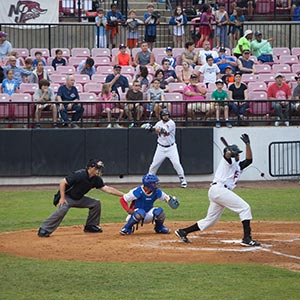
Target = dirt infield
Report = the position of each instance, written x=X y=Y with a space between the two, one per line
x=220 y=244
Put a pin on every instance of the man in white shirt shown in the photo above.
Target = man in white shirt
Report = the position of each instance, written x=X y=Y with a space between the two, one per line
x=210 y=71
x=206 y=51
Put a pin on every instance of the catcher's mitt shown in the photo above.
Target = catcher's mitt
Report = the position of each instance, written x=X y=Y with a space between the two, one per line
x=173 y=202
x=155 y=14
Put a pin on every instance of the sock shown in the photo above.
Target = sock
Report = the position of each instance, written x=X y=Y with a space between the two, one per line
x=247 y=229
x=191 y=228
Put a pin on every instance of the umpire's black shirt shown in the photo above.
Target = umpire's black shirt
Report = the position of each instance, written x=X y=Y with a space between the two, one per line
x=79 y=183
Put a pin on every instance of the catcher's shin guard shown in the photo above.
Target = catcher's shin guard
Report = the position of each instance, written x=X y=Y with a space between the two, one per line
x=136 y=217
x=159 y=218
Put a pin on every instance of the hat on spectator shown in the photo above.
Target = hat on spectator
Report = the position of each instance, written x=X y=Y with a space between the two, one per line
x=117 y=67
x=169 y=49
x=3 y=34
x=193 y=76
x=122 y=46
x=247 y=32
x=150 y=5
x=278 y=75
x=238 y=73
x=222 y=49
x=219 y=81
x=229 y=67
x=257 y=33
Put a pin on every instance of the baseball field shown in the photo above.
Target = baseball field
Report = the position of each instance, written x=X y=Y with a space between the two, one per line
x=75 y=265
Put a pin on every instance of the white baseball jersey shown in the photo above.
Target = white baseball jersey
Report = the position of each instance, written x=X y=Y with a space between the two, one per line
x=169 y=138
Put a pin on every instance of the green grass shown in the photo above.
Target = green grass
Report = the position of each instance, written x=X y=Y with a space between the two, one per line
x=30 y=279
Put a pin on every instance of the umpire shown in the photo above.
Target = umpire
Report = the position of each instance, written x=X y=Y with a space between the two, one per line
x=72 y=190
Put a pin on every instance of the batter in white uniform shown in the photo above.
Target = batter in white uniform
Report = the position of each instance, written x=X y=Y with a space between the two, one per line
x=166 y=146
x=221 y=195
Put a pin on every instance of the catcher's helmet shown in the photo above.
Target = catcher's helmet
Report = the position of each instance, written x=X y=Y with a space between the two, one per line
x=150 y=181
x=164 y=112
x=94 y=162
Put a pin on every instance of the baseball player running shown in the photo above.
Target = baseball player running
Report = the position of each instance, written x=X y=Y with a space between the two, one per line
x=141 y=209
x=166 y=146
x=221 y=195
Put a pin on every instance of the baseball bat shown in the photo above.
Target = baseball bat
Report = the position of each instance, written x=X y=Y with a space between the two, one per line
x=224 y=141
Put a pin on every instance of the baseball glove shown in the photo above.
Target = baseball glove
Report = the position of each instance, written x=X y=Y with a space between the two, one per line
x=147 y=127
x=173 y=202
x=245 y=138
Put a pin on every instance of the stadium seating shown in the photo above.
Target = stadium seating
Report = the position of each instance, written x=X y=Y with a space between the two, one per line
x=20 y=105
x=75 y=61
x=4 y=108
x=45 y=52
x=93 y=87
x=28 y=88
x=288 y=59
x=102 y=61
x=263 y=68
x=105 y=69
x=81 y=52
x=281 y=68
x=100 y=52
x=278 y=51
x=90 y=110
x=259 y=108
x=64 y=70
x=66 y=52
x=176 y=87
x=81 y=78
x=257 y=86
x=99 y=78
x=23 y=52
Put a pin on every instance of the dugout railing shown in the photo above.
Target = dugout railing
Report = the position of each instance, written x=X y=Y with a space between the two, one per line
x=16 y=114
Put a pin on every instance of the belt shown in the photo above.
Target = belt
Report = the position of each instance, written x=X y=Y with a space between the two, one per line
x=165 y=146
x=225 y=186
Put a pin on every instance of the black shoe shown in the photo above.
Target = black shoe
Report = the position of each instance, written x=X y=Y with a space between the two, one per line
x=43 y=232
x=182 y=234
x=92 y=228
x=249 y=243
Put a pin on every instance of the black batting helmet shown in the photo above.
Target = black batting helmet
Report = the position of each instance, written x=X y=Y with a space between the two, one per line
x=234 y=149
x=164 y=112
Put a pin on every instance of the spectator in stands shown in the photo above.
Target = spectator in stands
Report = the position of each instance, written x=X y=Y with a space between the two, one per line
x=243 y=43
x=132 y=29
x=221 y=97
x=69 y=93
x=262 y=48
x=134 y=96
x=5 y=46
x=163 y=84
x=9 y=85
x=245 y=64
x=295 y=10
x=38 y=57
x=101 y=23
x=109 y=108
x=169 y=73
x=117 y=81
x=39 y=73
x=1 y=74
x=20 y=61
x=58 y=60
x=206 y=26
x=114 y=19
x=184 y=74
x=279 y=90
x=43 y=96
x=87 y=67
x=210 y=71
x=296 y=92
x=250 y=5
x=178 y=20
x=189 y=55
x=169 y=56
x=141 y=77
x=205 y=52
x=95 y=5
x=156 y=96
x=123 y=58
x=28 y=64
x=238 y=91
x=18 y=71
x=151 y=19
x=144 y=57
x=228 y=77
x=196 y=91
x=223 y=61
x=222 y=19
x=236 y=21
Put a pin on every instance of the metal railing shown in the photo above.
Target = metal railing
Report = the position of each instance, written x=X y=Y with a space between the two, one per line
x=184 y=113
x=284 y=159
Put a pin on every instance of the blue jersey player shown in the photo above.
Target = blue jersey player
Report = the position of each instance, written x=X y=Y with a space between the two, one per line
x=142 y=209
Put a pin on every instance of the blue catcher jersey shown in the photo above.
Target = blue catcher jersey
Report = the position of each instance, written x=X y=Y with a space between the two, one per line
x=142 y=200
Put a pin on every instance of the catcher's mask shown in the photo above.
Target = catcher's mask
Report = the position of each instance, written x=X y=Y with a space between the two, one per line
x=150 y=181
x=96 y=163
x=234 y=149
x=164 y=112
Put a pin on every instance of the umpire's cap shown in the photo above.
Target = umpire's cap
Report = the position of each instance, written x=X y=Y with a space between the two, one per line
x=94 y=162
x=164 y=112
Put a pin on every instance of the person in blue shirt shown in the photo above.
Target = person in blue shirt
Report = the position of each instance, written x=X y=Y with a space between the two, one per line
x=58 y=60
x=141 y=209
x=224 y=61
x=38 y=57
x=169 y=56
x=68 y=92
x=9 y=85
x=87 y=67
x=151 y=19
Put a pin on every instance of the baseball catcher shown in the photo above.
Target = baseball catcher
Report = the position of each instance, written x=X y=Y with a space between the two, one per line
x=221 y=195
x=141 y=209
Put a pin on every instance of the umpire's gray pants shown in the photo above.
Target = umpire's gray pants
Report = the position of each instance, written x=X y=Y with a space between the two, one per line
x=94 y=206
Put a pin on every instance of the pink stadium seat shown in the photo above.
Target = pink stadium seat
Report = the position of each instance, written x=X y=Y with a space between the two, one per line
x=289 y=76
x=65 y=70
x=81 y=52
x=293 y=85
x=259 y=108
x=45 y=52
x=157 y=51
x=254 y=58
x=129 y=77
x=178 y=51
x=100 y=52
x=79 y=87
x=211 y=87
x=99 y=78
x=177 y=109
x=65 y=51
x=150 y=70
x=288 y=59
x=296 y=51
x=28 y=88
x=55 y=87
x=281 y=68
x=257 y=86
x=176 y=87
x=75 y=61
x=296 y=68
x=90 y=109
x=104 y=70
x=81 y=78
x=134 y=51
x=93 y=87
x=159 y=58
x=264 y=7
x=281 y=51
x=128 y=70
x=250 y=77
x=102 y=60
x=4 y=108
x=58 y=78
x=266 y=78
x=20 y=109
x=23 y=52
x=263 y=68
x=49 y=69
